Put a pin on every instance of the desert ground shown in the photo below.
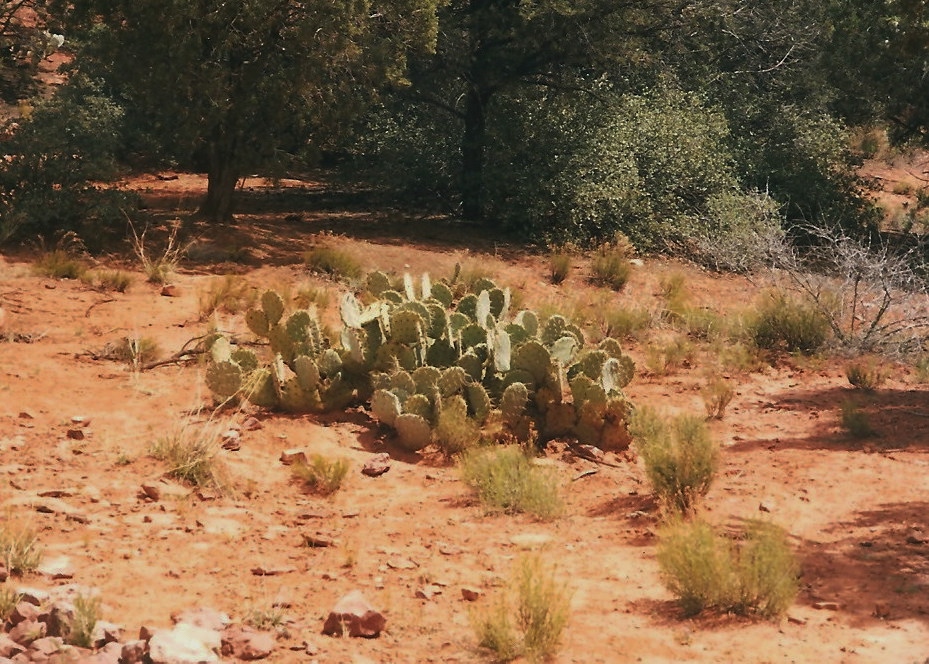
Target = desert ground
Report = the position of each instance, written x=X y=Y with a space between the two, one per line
x=76 y=429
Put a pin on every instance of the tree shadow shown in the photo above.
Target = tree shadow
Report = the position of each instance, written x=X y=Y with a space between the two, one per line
x=878 y=569
x=898 y=418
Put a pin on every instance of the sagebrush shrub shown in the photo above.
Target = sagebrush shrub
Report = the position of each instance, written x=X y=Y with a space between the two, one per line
x=789 y=324
x=505 y=479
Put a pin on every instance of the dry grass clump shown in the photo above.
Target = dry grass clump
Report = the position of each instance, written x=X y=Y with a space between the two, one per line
x=755 y=573
x=60 y=264
x=159 y=267
x=855 y=421
x=19 y=548
x=327 y=259
x=782 y=323
x=626 y=323
x=680 y=457
x=717 y=395
x=866 y=373
x=109 y=280
x=321 y=475
x=610 y=268
x=559 y=266
x=86 y=614
x=529 y=618
x=191 y=455
x=230 y=293
x=506 y=480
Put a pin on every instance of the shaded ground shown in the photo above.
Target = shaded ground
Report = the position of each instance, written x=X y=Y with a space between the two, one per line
x=856 y=509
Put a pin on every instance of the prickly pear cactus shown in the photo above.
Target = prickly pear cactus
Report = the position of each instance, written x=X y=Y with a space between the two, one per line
x=479 y=404
x=513 y=402
x=224 y=378
x=386 y=406
x=413 y=432
x=376 y=283
x=617 y=373
x=407 y=327
x=273 y=306
x=443 y=294
x=419 y=404
x=534 y=358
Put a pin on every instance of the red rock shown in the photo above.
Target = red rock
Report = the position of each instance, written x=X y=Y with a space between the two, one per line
x=202 y=617
x=27 y=631
x=46 y=646
x=23 y=611
x=170 y=290
x=377 y=465
x=133 y=652
x=76 y=434
x=289 y=457
x=251 y=424
x=9 y=647
x=470 y=594
x=354 y=614
x=247 y=644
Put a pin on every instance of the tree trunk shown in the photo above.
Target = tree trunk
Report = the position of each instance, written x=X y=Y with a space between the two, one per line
x=222 y=177
x=472 y=154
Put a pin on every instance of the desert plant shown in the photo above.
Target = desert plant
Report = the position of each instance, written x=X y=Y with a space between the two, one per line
x=753 y=573
x=19 y=548
x=717 y=394
x=159 y=267
x=110 y=280
x=855 y=421
x=680 y=457
x=505 y=479
x=308 y=294
x=86 y=615
x=334 y=262
x=540 y=604
x=9 y=598
x=59 y=264
x=663 y=359
x=559 y=266
x=231 y=294
x=265 y=618
x=921 y=367
x=866 y=373
x=610 y=267
x=321 y=475
x=790 y=324
x=191 y=456
x=135 y=351
x=626 y=323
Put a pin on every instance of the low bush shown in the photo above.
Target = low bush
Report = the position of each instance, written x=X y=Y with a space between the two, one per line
x=559 y=266
x=529 y=619
x=505 y=479
x=231 y=294
x=59 y=264
x=680 y=457
x=86 y=615
x=611 y=268
x=328 y=260
x=855 y=421
x=866 y=374
x=19 y=548
x=321 y=475
x=717 y=395
x=191 y=458
x=788 y=324
x=623 y=323
x=755 y=573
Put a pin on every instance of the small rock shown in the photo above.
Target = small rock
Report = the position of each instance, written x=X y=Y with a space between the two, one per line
x=289 y=457
x=251 y=424
x=76 y=434
x=27 y=631
x=56 y=568
x=9 y=647
x=56 y=493
x=146 y=633
x=151 y=490
x=796 y=620
x=427 y=592
x=26 y=415
x=46 y=646
x=247 y=644
x=33 y=595
x=24 y=611
x=180 y=645
x=317 y=540
x=203 y=617
x=354 y=614
x=470 y=594
x=531 y=540
x=377 y=465
x=170 y=290
x=133 y=652
x=447 y=549
x=826 y=606
x=232 y=440
x=273 y=571
x=401 y=563
x=765 y=506
x=80 y=420
x=105 y=632
x=58 y=618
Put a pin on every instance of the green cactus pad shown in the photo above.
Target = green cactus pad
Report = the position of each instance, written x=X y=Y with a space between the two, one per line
x=329 y=362
x=373 y=337
x=498 y=301
x=392 y=354
x=413 y=432
x=307 y=372
x=350 y=311
x=478 y=402
x=513 y=402
x=259 y=388
x=224 y=378
x=482 y=310
x=257 y=322
x=457 y=321
x=407 y=327
x=294 y=399
x=376 y=283
x=482 y=284
x=392 y=296
x=502 y=351
x=281 y=343
x=385 y=406
x=473 y=335
x=221 y=350
x=529 y=321
x=560 y=419
x=519 y=376
x=473 y=365
x=438 y=320
x=441 y=354
x=590 y=364
x=442 y=293
x=425 y=284
x=452 y=381
x=553 y=329
x=420 y=308
x=611 y=347
x=534 y=358
x=402 y=380
x=419 y=404
x=246 y=359
x=273 y=306
x=468 y=306
x=585 y=390
x=426 y=378
x=518 y=334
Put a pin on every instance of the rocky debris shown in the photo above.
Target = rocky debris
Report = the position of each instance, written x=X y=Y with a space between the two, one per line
x=317 y=540
x=355 y=615
x=105 y=633
x=203 y=617
x=377 y=465
x=428 y=591
x=170 y=290
x=133 y=652
x=252 y=424
x=826 y=606
x=56 y=568
x=273 y=571
x=23 y=611
x=155 y=490
x=290 y=457
x=246 y=643
x=27 y=631
x=231 y=440
x=470 y=594
x=9 y=647
x=183 y=645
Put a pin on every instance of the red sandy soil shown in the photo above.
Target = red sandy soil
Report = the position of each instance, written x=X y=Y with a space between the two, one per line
x=856 y=510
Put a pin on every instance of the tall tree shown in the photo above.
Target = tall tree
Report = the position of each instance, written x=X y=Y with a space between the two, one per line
x=236 y=83
x=488 y=47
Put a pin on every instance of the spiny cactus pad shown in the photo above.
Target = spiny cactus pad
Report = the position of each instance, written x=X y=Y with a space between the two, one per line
x=452 y=381
x=617 y=373
x=529 y=321
x=426 y=378
x=478 y=402
x=257 y=322
x=221 y=350
x=273 y=306
x=376 y=283
x=468 y=306
x=413 y=432
x=407 y=327
x=513 y=402
x=419 y=404
x=442 y=293
x=224 y=378
x=534 y=358
x=307 y=372
x=611 y=346
x=386 y=406
x=441 y=354
x=246 y=359
x=473 y=365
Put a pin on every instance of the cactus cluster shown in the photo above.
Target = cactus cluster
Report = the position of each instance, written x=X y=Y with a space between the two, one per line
x=437 y=364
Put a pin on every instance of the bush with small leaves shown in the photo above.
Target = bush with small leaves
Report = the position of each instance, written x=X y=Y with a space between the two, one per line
x=529 y=618
x=610 y=267
x=717 y=395
x=680 y=457
x=855 y=421
x=559 y=266
x=789 y=324
x=506 y=480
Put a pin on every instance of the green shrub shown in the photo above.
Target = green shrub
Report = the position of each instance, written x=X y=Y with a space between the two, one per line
x=191 y=457
x=86 y=615
x=784 y=323
x=717 y=394
x=866 y=374
x=610 y=268
x=856 y=421
x=559 y=266
x=680 y=457
x=19 y=548
x=505 y=479
x=626 y=323
x=110 y=280
x=334 y=262
x=321 y=475
x=9 y=598
x=753 y=574
x=529 y=619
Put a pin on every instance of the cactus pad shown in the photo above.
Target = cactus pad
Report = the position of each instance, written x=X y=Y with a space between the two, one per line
x=413 y=432
x=257 y=322
x=478 y=402
x=564 y=350
x=482 y=284
x=502 y=351
x=473 y=365
x=407 y=327
x=442 y=293
x=452 y=381
x=498 y=302
x=307 y=372
x=426 y=378
x=385 y=406
x=468 y=306
x=376 y=283
x=611 y=347
x=617 y=373
x=273 y=306
x=221 y=350
x=482 y=310
x=350 y=311
x=529 y=321
x=419 y=404
x=513 y=402
x=224 y=378
x=473 y=335
x=246 y=359
x=534 y=358
x=441 y=354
